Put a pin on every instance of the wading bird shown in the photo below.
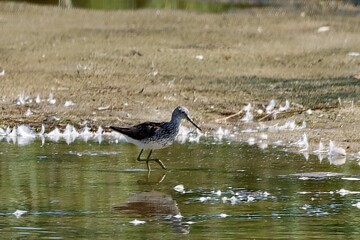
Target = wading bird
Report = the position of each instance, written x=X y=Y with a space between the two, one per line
x=155 y=135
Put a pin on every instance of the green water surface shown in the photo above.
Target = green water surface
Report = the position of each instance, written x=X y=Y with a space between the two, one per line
x=231 y=190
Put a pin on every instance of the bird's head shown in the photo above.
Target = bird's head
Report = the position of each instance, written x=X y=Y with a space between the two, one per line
x=183 y=113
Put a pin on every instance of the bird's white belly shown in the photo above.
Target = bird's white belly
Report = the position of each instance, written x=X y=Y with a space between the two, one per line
x=157 y=144
x=150 y=144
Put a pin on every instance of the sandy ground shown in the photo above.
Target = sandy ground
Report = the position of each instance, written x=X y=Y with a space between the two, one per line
x=124 y=67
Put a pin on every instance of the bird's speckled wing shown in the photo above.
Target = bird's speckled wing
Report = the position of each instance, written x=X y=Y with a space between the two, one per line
x=139 y=132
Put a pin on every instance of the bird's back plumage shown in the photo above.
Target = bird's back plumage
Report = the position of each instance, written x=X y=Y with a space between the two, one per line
x=140 y=131
x=150 y=135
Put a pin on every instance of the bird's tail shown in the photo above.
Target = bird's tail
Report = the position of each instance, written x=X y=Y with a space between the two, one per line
x=117 y=129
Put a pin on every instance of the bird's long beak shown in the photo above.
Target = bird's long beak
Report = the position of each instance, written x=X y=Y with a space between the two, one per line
x=190 y=120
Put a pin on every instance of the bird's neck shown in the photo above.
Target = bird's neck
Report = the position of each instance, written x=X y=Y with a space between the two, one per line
x=175 y=121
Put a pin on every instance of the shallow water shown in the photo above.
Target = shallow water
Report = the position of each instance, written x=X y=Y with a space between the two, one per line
x=92 y=190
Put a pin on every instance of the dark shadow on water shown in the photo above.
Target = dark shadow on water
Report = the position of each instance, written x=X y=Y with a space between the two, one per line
x=152 y=204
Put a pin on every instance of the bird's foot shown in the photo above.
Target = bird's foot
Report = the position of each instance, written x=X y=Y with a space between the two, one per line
x=160 y=163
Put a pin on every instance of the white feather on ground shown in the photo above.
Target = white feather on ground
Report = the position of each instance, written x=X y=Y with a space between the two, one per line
x=335 y=150
x=302 y=143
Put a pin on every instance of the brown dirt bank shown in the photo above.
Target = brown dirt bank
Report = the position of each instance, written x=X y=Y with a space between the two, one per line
x=139 y=65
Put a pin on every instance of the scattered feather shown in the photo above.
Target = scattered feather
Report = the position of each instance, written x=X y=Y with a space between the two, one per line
x=302 y=143
x=2 y=132
x=38 y=99
x=250 y=199
x=199 y=57
x=13 y=133
x=42 y=131
x=251 y=141
x=286 y=107
x=54 y=118
x=104 y=108
x=51 y=99
x=263 y=136
x=305 y=154
x=69 y=104
x=154 y=73
x=248 y=107
x=309 y=111
x=190 y=222
x=204 y=199
x=263 y=145
x=178 y=216
x=54 y=135
x=220 y=133
x=21 y=100
x=289 y=125
x=357 y=205
x=248 y=117
x=321 y=148
x=179 y=188
x=270 y=106
x=25 y=131
x=350 y=179
x=19 y=213
x=86 y=132
x=55 y=132
x=337 y=160
x=320 y=156
x=249 y=130
x=137 y=222
x=334 y=150
x=344 y=192
x=8 y=131
x=354 y=54
x=323 y=29
x=99 y=131
x=28 y=112
x=218 y=192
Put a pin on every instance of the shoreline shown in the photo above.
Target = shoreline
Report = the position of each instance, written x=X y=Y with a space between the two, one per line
x=125 y=67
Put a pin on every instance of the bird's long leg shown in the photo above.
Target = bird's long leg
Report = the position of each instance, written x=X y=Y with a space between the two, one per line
x=148 y=159
x=156 y=160
x=138 y=158
x=160 y=163
x=148 y=166
x=149 y=154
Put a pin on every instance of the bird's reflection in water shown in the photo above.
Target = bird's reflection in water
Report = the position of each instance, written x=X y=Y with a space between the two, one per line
x=154 y=203
x=152 y=180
